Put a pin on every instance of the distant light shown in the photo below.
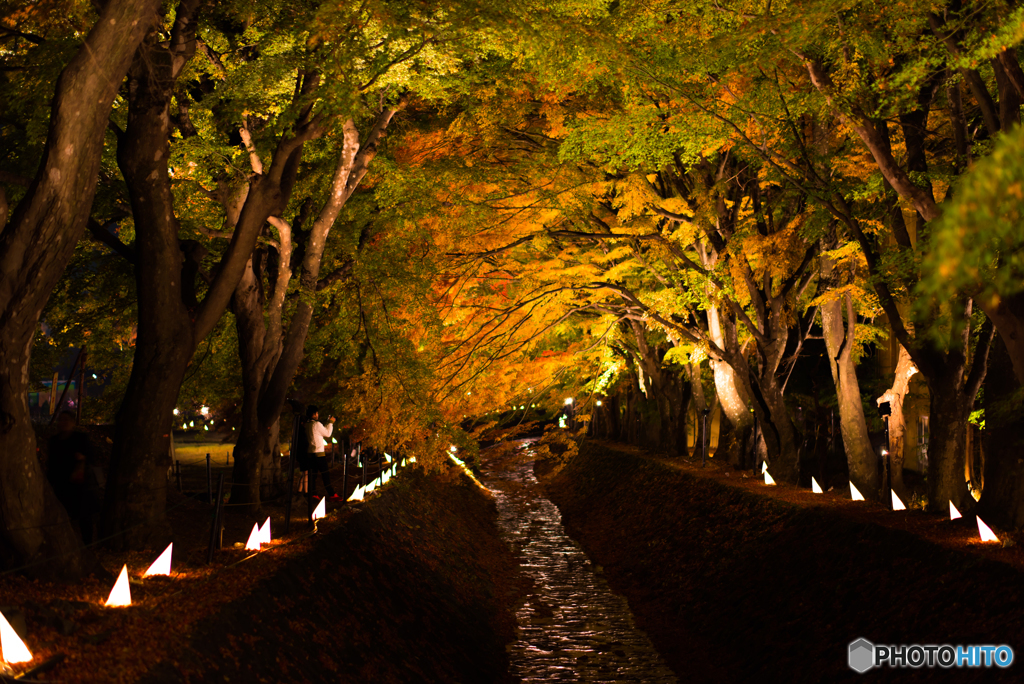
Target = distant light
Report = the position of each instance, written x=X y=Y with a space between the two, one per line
x=184 y=427
x=568 y=400
x=191 y=423
x=453 y=448
x=334 y=440
x=468 y=393
x=815 y=487
x=533 y=405
x=93 y=376
x=176 y=411
x=897 y=505
x=953 y=513
x=986 y=532
x=204 y=410
x=598 y=402
x=885 y=452
x=121 y=594
x=855 y=493
x=206 y=427
x=13 y=648
x=162 y=565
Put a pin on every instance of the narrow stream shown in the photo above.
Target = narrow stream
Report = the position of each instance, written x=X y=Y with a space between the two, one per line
x=573 y=627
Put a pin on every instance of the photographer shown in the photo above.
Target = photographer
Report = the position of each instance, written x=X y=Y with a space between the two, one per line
x=316 y=435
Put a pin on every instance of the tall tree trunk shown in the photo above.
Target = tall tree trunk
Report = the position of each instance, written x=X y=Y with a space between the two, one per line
x=732 y=395
x=905 y=370
x=171 y=321
x=701 y=438
x=839 y=340
x=1002 y=500
x=35 y=246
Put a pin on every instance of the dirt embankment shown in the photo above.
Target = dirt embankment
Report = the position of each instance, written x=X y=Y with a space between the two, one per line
x=735 y=586
x=414 y=587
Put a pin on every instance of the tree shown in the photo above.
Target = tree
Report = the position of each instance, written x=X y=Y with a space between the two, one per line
x=35 y=245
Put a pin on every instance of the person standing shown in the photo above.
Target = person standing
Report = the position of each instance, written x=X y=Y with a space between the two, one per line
x=68 y=453
x=316 y=435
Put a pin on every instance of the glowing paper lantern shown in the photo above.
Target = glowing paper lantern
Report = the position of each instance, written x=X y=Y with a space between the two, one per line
x=764 y=467
x=321 y=510
x=254 y=539
x=356 y=495
x=897 y=505
x=387 y=456
x=855 y=493
x=768 y=479
x=986 y=532
x=953 y=513
x=265 y=531
x=162 y=565
x=12 y=647
x=403 y=462
x=121 y=594
x=412 y=459
x=815 y=487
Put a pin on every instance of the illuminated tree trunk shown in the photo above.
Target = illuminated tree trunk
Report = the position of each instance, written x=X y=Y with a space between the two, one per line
x=270 y=350
x=905 y=369
x=36 y=244
x=732 y=396
x=839 y=341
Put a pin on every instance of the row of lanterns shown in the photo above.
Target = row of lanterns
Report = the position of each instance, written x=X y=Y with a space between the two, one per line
x=13 y=649
x=984 y=530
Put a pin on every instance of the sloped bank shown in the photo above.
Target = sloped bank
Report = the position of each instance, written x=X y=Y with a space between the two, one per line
x=733 y=586
x=413 y=586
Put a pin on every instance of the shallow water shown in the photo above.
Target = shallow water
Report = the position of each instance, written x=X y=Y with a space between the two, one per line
x=573 y=627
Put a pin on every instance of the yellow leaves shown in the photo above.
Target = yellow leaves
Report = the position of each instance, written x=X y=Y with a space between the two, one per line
x=634 y=194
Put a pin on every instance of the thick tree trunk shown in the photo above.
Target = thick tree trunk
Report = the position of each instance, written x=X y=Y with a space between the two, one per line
x=701 y=439
x=732 y=395
x=947 y=447
x=905 y=370
x=1002 y=500
x=860 y=457
x=35 y=246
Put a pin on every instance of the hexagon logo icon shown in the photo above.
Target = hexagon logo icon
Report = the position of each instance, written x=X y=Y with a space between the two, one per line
x=862 y=655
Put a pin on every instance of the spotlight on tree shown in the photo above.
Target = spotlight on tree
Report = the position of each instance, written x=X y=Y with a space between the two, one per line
x=253 y=544
x=987 y=535
x=815 y=487
x=855 y=493
x=162 y=565
x=12 y=648
x=121 y=594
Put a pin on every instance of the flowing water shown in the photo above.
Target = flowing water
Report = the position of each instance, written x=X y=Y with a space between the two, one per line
x=572 y=628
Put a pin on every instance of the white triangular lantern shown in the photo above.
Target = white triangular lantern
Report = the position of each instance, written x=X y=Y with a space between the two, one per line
x=254 y=539
x=986 y=532
x=897 y=505
x=764 y=467
x=403 y=462
x=412 y=459
x=953 y=513
x=387 y=456
x=855 y=493
x=356 y=495
x=768 y=479
x=162 y=565
x=12 y=648
x=321 y=510
x=121 y=594
x=815 y=487
x=265 y=531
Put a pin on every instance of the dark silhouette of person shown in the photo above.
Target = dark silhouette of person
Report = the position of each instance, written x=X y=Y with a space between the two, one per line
x=68 y=454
